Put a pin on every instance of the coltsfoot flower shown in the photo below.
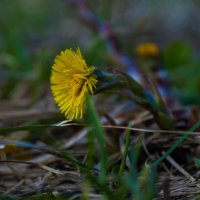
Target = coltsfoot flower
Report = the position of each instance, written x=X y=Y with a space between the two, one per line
x=71 y=81
x=148 y=49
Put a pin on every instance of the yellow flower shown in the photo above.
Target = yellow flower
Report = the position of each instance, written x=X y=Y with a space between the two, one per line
x=71 y=81
x=148 y=49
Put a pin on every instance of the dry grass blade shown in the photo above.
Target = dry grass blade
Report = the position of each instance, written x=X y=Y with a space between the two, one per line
x=34 y=164
x=179 y=168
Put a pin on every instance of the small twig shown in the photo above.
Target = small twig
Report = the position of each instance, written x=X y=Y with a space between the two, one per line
x=151 y=130
x=5 y=130
x=136 y=129
x=14 y=187
x=144 y=116
x=41 y=184
x=35 y=164
x=178 y=167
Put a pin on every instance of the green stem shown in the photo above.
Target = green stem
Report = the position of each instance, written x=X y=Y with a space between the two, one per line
x=123 y=163
x=94 y=121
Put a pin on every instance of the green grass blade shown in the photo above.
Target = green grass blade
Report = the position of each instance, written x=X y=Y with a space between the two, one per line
x=178 y=142
x=132 y=178
x=94 y=122
x=123 y=163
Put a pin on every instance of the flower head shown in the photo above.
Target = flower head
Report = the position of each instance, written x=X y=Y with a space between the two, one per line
x=148 y=49
x=71 y=81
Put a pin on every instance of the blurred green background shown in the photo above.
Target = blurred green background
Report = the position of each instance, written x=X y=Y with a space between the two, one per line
x=33 y=32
